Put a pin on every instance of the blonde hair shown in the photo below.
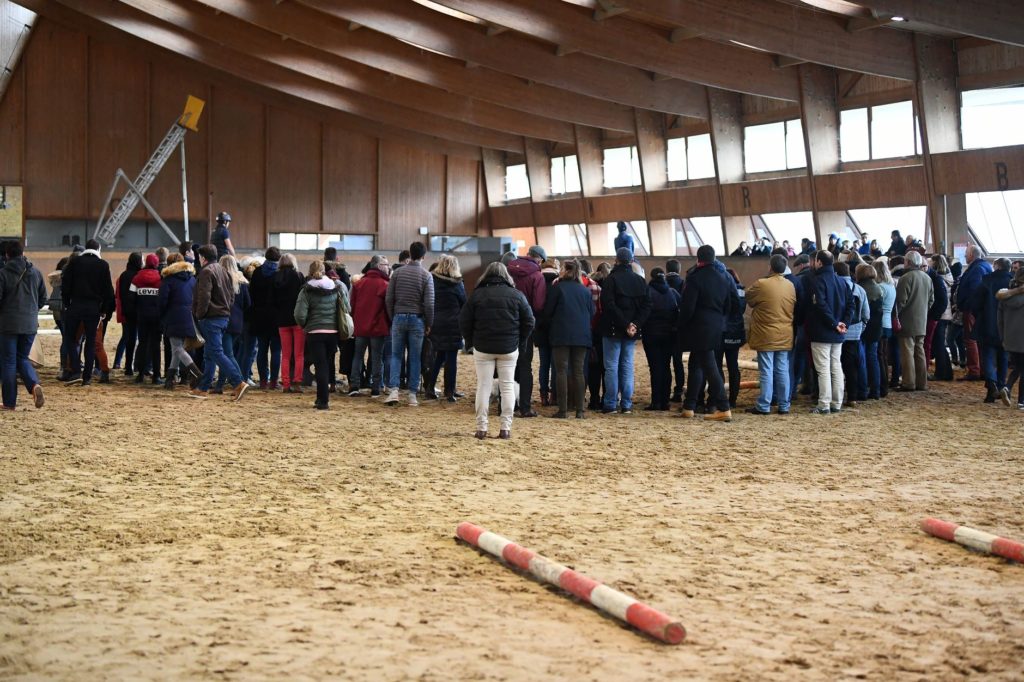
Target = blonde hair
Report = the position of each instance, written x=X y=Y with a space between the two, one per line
x=496 y=269
x=882 y=270
x=229 y=263
x=317 y=269
x=448 y=266
x=940 y=263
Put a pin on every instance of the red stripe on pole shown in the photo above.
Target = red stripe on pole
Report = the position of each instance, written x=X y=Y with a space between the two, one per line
x=518 y=556
x=1008 y=549
x=940 y=529
x=470 y=533
x=578 y=584
x=655 y=623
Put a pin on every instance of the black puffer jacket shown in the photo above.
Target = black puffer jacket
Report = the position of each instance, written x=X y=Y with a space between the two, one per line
x=449 y=297
x=284 y=292
x=735 y=334
x=665 y=302
x=624 y=299
x=496 y=319
x=708 y=299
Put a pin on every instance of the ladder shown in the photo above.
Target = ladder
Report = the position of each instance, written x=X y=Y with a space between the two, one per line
x=108 y=227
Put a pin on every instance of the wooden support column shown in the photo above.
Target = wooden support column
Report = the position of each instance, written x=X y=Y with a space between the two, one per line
x=591 y=163
x=938 y=110
x=819 y=116
x=538 y=171
x=493 y=163
x=726 y=114
x=653 y=150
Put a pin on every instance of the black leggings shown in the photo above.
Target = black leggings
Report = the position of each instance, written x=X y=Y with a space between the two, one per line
x=570 y=382
x=1017 y=369
x=320 y=349
x=148 y=352
x=732 y=359
x=704 y=365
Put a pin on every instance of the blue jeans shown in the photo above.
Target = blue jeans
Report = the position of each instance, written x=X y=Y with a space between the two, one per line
x=994 y=365
x=773 y=373
x=618 y=372
x=248 y=355
x=406 y=333
x=14 y=361
x=213 y=330
x=870 y=351
x=797 y=361
x=376 y=344
x=232 y=349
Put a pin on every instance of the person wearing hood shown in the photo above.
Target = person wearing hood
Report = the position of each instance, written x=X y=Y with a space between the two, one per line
x=872 y=333
x=550 y=269
x=660 y=335
x=334 y=269
x=211 y=305
x=88 y=296
x=372 y=325
x=914 y=297
x=994 y=362
x=233 y=346
x=129 y=330
x=496 y=321
x=1011 y=332
x=855 y=374
x=262 y=323
x=772 y=301
x=623 y=240
x=829 y=314
x=177 y=290
x=284 y=292
x=316 y=311
x=22 y=296
x=445 y=335
x=528 y=279
x=625 y=307
x=143 y=302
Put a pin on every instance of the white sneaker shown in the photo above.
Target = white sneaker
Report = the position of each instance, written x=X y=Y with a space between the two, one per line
x=412 y=399
x=392 y=398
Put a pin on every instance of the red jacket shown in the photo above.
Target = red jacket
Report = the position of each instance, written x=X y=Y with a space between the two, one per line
x=368 y=310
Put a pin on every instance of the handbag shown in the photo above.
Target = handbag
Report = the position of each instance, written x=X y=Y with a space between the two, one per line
x=346 y=326
x=896 y=326
x=196 y=341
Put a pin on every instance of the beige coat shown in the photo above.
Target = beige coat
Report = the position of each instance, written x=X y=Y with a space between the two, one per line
x=772 y=301
x=914 y=296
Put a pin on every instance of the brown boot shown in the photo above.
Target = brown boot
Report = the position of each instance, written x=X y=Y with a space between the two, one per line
x=719 y=416
x=687 y=414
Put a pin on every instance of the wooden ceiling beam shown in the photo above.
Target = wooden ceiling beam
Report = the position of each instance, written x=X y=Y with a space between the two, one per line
x=858 y=24
x=518 y=55
x=792 y=31
x=383 y=52
x=998 y=20
x=180 y=41
x=632 y=43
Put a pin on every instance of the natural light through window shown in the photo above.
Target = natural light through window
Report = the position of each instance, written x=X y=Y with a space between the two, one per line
x=854 y=140
x=565 y=174
x=997 y=218
x=709 y=228
x=621 y=167
x=517 y=185
x=689 y=158
x=993 y=118
x=879 y=223
x=774 y=146
x=791 y=227
x=892 y=130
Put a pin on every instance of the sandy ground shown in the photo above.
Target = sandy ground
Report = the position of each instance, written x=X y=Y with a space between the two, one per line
x=146 y=535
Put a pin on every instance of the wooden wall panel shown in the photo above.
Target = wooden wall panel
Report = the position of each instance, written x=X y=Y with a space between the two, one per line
x=684 y=202
x=614 y=207
x=412 y=194
x=170 y=86
x=886 y=188
x=238 y=168
x=979 y=170
x=350 y=182
x=767 y=196
x=513 y=215
x=118 y=107
x=560 y=212
x=56 y=65
x=461 y=202
x=294 y=169
x=12 y=130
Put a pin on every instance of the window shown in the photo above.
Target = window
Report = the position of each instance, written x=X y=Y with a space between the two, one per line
x=689 y=158
x=571 y=240
x=991 y=118
x=878 y=223
x=517 y=185
x=299 y=241
x=997 y=219
x=621 y=167
x=892 y=130
x=854 y=138
x=565 y=174
x=709 y=231
x=687 y=239
x=774 y=146
x=790 y=227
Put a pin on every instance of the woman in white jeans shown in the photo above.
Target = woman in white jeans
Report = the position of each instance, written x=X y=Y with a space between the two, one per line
x=496 y=322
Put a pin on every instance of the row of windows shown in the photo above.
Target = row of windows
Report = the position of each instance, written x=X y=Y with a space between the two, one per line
x=990 y=118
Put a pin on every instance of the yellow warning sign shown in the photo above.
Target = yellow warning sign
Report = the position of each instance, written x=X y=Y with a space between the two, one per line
x=193 y=109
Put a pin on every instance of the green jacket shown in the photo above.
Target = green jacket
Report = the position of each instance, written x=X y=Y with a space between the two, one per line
x=317 y=305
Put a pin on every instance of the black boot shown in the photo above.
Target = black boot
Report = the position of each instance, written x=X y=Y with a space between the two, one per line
x=992 y=395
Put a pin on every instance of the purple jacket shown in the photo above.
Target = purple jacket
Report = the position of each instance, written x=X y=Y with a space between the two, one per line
x=530 y=281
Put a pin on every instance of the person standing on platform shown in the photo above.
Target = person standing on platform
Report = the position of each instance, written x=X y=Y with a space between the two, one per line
x=221 y=238
x=623 y=240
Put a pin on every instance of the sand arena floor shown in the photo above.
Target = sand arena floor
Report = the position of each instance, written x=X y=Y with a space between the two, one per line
x=146 y=535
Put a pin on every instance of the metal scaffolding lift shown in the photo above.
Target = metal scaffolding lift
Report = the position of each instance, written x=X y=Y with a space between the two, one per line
x=107 y=227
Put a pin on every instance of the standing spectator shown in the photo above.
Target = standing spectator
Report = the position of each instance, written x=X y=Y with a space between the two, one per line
x=772 y=302
x=316 y=311
x=568 y=311
x=236 y=321
x=129 y=330
x=828 y=316
x=211 y=305
x=56 y=305
x=404 y=256
x=800 y=278
x=334 y=269
x=185 y=249
x=372 y=328
x=22 y=296
x=986 y=328
x=144 y=305
x=221 y=238
x=550 y=269
x=897 y=247
x=595 y=357
x=914 y=296
x=496 y=322
x=284 y=292
x=733 y=338
x=263 y=324
x=1011 y=333
x=887 y=342
x=955 y=337
x=808 y=248
x=623 y=240
x=939 y=317
x=865 y=246
x=410 y=305
x=660 y=335
x=88 y=295
x=977 y=268
x=865 y=276
x=449 y=297
x=177 y=291
x=625 y=306
x=708 y=299
x=676 y=282
x=855 y=375
x=529 y=280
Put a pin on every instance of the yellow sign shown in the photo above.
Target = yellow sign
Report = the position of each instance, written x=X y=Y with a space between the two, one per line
x=12 y=212
x=193 y=109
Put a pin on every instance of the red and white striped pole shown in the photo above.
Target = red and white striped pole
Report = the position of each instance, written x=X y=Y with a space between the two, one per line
x=613 y=602
x=975 y=539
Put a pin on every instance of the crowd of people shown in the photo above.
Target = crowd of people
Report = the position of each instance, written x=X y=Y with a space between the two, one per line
x=841 y=325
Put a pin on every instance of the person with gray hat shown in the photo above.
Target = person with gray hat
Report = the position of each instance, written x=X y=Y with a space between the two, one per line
x=625 y=306
x=529 y=280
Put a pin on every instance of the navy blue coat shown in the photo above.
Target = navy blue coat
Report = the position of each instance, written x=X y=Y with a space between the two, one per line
x=969 y=283
x=449 y=297
x=831 y=302
x=568 y=309
x=986 y=307
x=176 y=289
x=708 y=299
x=239 y=310
x=664 y=315
x=735 y=334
